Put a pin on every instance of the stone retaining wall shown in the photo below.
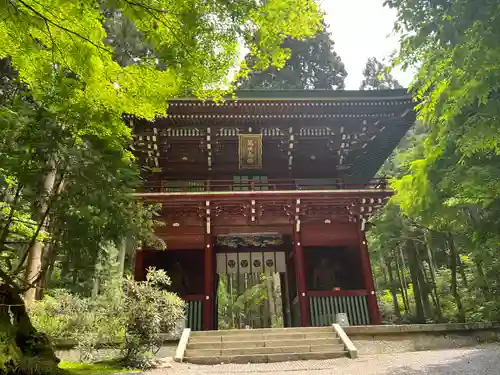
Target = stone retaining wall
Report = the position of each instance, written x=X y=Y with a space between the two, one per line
x=65 y=349
x=417 y=337
x=73 y=355
x=369 y=339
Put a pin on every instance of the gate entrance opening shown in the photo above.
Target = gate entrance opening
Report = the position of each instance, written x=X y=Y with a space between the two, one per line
x=251 y=286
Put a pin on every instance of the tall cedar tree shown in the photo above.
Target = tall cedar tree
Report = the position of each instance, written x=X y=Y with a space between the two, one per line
x=377 y=77
x=313 y=64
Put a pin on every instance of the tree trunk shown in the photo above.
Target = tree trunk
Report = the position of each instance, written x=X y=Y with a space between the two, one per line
x=422 y=283
x=462 y=270
x=271 y=299
x=96 y=285
x=96 y=279
x=278 y=298
x=454 y=284
x=21 y=343
x=122 y=253
x=431 y=288
x=48 y=263
x=65 y=268
x=413 y=263
x=12 y=209
x=394 y=289
x=424 y=291
x=484 y=287
x=34 y=260
x=432 y=267
x=402 y=281
x=131 y=259
x=383 y=266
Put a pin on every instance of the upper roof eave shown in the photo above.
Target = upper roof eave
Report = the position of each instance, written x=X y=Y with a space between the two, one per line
x=312 y=95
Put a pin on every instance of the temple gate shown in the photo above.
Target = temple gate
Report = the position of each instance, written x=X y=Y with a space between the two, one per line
x=266 y=200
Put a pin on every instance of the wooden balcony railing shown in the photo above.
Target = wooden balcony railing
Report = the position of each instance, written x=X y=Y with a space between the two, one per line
x=326 y=305
x=194 y=312
x=166 y=186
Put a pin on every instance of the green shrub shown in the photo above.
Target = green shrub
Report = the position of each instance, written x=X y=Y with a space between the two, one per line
x=150 y=311
x=68 y=317
x=133 y=315
x=386 y=310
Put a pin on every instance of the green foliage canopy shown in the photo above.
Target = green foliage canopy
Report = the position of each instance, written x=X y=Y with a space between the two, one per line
x=74 y=68
x=58 y=47
x=455 y=44
x=442 y=223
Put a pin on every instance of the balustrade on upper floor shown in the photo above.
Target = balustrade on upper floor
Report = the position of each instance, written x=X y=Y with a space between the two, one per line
x=259 y=183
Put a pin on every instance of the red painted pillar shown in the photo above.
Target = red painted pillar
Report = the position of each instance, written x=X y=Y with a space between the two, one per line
x=301 y=280
x=368 y=277
x=300 y=270
x=208 y=284
x=139 y=269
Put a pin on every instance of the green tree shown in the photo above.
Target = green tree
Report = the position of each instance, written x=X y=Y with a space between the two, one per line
x=447 y=183
x=71 y=71
x=456 y=50
x=313 y=64
x=377 y=76
x=71 y=74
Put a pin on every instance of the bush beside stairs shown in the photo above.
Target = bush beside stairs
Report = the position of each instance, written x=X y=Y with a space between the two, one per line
x=262 y=345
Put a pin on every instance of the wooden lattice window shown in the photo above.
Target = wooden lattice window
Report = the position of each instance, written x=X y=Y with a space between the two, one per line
x=247 y=183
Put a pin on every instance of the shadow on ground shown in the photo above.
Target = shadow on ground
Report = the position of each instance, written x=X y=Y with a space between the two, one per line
x=484 y=361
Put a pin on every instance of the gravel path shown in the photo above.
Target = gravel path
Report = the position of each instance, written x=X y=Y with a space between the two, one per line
x=484 y=360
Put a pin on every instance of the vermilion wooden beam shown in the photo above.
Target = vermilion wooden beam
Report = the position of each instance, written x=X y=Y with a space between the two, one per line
x=139 y=269
x=368 y=277
x=305 y=320
x=208 y=286
x=300 y=269
x=193 y=297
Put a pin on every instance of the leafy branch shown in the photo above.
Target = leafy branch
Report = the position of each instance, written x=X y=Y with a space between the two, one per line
x=47 y=20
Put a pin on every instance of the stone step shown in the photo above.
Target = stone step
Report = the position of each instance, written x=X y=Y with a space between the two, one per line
x=244 y=332
x=299 y=348
x=265 y=358
x=331 y=340
x=262 y=337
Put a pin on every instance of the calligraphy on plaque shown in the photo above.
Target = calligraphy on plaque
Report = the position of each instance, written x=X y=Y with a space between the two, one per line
x=250 y=151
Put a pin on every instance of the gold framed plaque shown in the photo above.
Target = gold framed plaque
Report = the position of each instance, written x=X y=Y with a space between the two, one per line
x=250 y=151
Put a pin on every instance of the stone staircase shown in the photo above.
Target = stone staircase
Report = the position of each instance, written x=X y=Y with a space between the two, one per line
x=262 y=345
